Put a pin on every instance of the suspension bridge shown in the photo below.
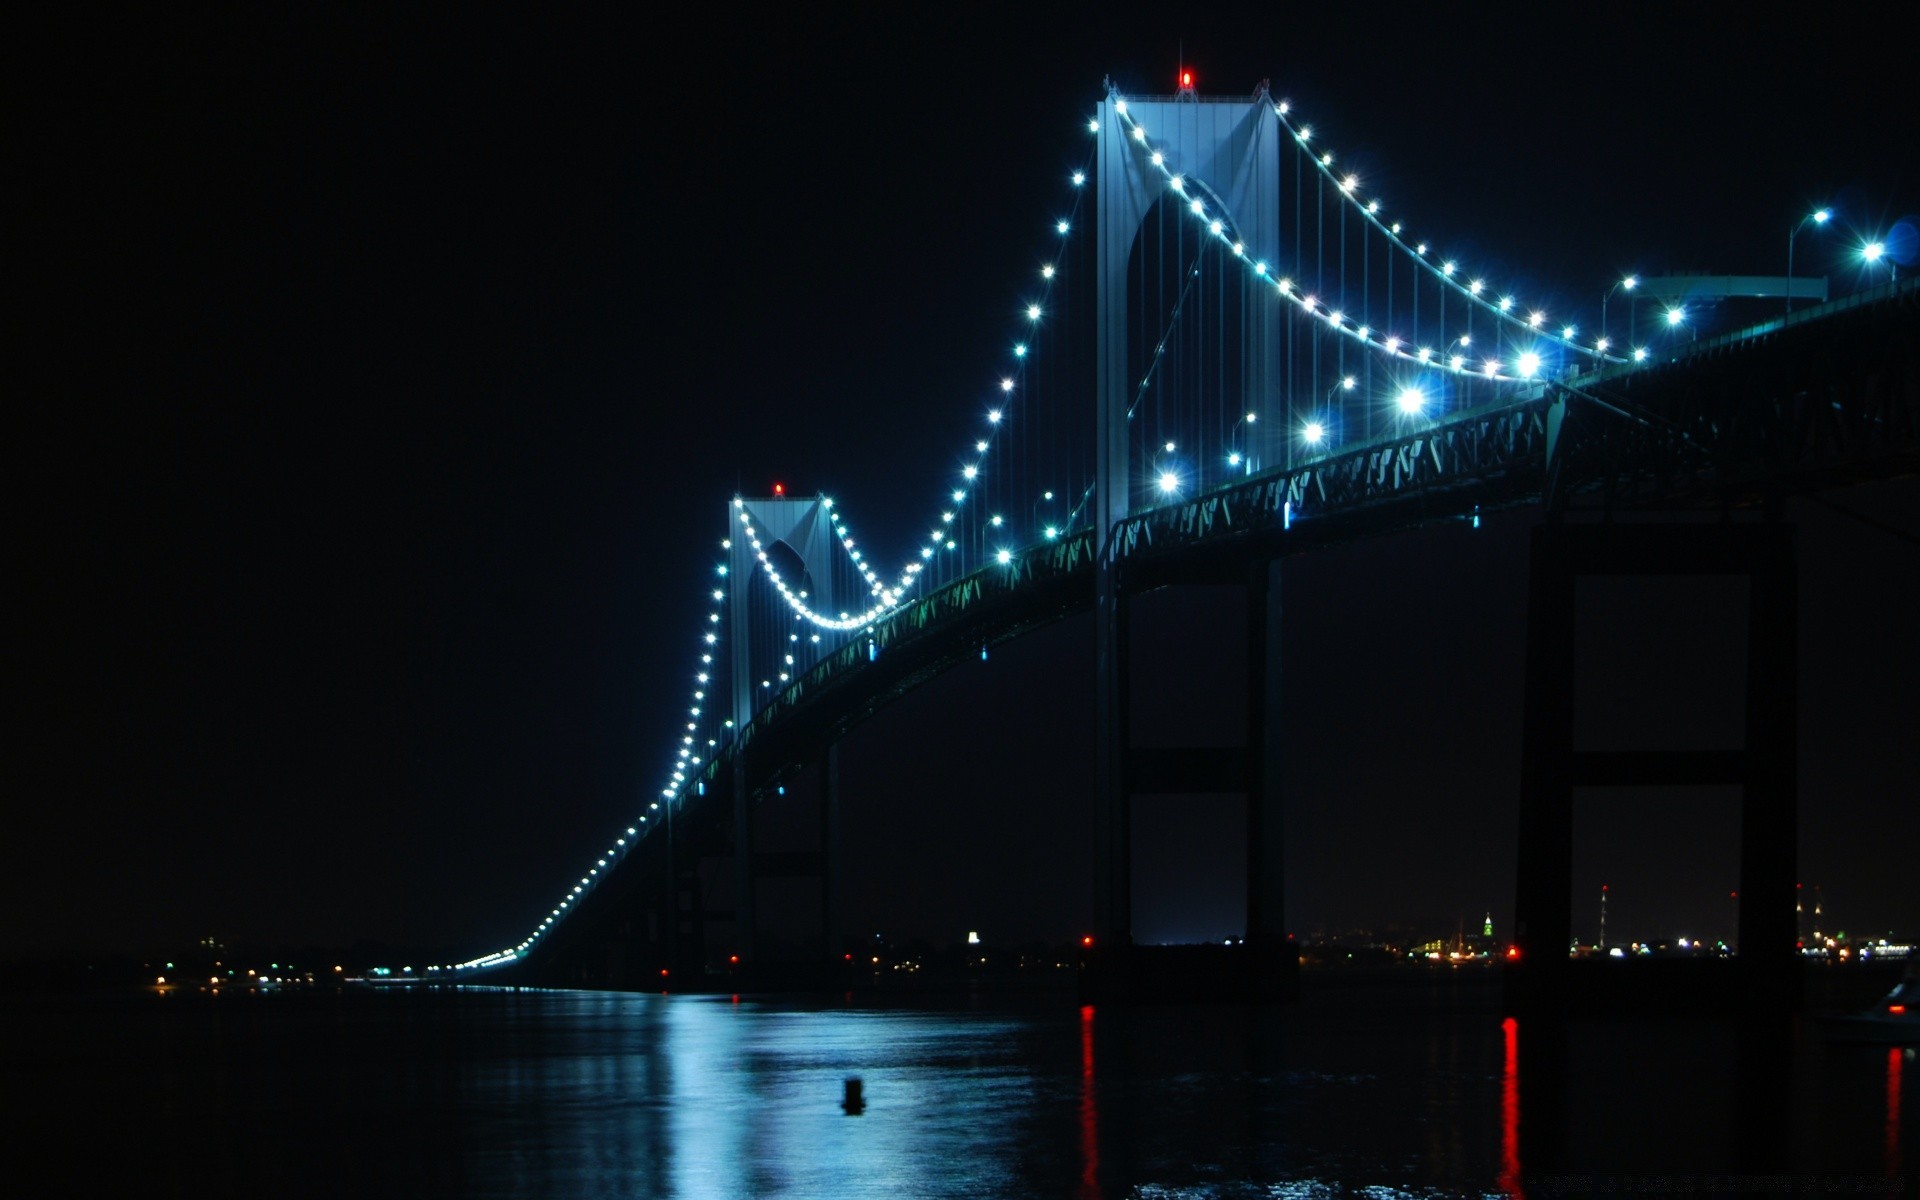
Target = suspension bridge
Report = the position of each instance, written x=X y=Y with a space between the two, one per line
x=1232 y=352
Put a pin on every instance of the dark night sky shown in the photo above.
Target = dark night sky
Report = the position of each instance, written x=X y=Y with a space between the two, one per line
x=386 y=377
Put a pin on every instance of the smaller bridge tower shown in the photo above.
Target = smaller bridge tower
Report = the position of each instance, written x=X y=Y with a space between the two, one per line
x=804 y=526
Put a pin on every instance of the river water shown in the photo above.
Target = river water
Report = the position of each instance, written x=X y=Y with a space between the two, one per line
x=1405 y=1088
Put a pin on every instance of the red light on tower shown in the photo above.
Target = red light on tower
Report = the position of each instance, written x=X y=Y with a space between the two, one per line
x=779 y=489
x=1087 y=941
x=1186 y=79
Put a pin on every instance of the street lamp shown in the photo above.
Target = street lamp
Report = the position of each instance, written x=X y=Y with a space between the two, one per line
x=1051 y=530
x=1819 y=217
x=1874 y=252
x=1677 y=316
x=1346 y=384
x=1629 y=283
x=1238 y=458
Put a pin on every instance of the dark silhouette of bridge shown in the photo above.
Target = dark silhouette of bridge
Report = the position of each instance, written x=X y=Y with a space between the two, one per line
x=1317 y=425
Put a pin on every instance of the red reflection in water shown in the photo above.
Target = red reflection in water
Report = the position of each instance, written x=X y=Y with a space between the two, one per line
x=1089 y=1110
x=1894 y=1057
x=1509 y=1182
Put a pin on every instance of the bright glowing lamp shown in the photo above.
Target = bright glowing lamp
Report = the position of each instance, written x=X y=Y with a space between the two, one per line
x=1411 y=400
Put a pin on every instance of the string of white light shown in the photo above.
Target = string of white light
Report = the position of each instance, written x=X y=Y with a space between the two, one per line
x=1219 y=224
x=889 y=596
x=1474 y=290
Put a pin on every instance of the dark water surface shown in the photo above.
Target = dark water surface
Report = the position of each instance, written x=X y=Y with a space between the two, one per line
x=1405 y=1088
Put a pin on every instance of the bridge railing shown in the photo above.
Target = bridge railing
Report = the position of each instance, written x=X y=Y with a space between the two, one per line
x=1476 y=449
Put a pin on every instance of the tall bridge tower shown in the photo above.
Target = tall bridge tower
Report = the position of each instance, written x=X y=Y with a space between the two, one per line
x=1228 y=152
x=804 y=526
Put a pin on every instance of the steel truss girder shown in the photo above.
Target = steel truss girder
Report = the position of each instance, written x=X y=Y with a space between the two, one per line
x=1484 y=459
x=1800 y=407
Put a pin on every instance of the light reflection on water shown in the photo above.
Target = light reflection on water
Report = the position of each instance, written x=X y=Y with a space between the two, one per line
x=1395 y=1093
x=710 y=1097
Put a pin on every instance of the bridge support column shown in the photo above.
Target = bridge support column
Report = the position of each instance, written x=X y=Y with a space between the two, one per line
x=792 y=844
x=1266 y=966
x=831 y=891
x=1266 y=840
x=744 y=910
x=1113 y=820
x=1766 y=768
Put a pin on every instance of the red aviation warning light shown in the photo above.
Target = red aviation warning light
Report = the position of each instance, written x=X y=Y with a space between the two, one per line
x=779 y=489
x=1186 y=79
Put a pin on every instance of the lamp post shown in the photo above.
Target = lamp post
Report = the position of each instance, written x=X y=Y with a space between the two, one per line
x=1818 y=217
x=1347 y=383
x=1629 y=283
x=1874 y=252
x=1050 y=530
x=1677 y=316
x=1238 y=458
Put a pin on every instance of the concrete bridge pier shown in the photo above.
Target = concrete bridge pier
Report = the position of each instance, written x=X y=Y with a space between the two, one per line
x=820 y=964
x=1265 y=966
x=1764 y=977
